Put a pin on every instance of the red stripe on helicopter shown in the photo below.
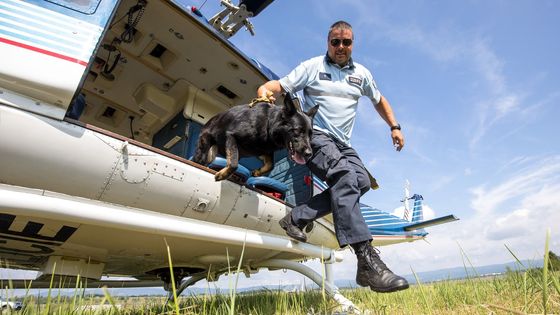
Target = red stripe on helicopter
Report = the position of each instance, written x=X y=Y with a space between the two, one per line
x=42 y=51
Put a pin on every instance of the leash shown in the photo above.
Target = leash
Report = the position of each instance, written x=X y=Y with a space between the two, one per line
x=262 y=99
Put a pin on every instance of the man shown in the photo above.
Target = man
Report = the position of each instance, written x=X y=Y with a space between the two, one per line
x=336 y=82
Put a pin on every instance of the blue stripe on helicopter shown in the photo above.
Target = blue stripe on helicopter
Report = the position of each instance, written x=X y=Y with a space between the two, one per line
x=42 y=44
x=48 y=30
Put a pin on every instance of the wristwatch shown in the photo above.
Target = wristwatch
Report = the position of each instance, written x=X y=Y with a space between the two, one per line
x=396 y=127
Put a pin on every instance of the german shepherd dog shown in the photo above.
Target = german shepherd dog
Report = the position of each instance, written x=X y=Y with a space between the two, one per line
x=259 y=130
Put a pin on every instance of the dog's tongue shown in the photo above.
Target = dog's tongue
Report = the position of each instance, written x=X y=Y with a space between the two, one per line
x=298 y=159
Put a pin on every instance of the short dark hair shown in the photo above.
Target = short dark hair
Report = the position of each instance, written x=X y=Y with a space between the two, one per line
x=341 y=25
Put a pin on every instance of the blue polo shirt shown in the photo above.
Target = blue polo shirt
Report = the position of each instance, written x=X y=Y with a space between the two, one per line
x=336 y=89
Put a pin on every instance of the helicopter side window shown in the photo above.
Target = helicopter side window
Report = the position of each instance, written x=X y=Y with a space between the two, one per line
x=82 y=6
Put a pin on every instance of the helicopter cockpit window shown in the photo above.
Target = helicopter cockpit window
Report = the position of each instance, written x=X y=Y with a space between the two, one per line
x=82 y=6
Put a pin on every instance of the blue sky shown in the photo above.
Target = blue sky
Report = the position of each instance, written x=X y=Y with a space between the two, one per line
x=475 y=85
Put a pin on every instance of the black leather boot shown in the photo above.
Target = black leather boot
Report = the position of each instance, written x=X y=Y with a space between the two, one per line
x=292 y=229
x=372 y=271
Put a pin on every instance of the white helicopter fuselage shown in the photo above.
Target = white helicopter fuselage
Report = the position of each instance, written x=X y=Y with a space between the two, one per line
x=62 y=180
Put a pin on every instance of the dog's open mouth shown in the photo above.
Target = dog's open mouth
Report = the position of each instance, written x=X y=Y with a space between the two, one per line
x=296 y=157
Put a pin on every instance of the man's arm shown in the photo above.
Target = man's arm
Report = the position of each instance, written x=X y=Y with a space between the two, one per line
x=386 y=112
x=270 y=90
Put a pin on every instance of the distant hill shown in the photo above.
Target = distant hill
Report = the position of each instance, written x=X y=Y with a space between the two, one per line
x=425 y=277
x=459 y=272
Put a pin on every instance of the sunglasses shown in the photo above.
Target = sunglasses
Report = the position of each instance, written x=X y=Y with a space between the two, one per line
x=335 y=42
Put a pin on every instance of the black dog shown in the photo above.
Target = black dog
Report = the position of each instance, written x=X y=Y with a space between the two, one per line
x=257 y=130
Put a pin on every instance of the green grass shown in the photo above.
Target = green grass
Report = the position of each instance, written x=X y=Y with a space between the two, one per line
x=532 y=291
x=513 y=293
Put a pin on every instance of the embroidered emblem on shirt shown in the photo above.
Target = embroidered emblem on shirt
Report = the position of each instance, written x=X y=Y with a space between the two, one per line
x=324 y=76
x=355 y=80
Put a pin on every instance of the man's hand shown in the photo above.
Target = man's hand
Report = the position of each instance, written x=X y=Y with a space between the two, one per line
x=386 y=112
x=398 y=139
x=268 y=90
x=263 y=95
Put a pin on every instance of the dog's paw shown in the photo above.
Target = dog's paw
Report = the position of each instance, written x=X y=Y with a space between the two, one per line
x=256 y=173
x=221 y=175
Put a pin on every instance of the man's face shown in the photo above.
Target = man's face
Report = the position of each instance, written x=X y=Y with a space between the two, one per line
x=340 y=53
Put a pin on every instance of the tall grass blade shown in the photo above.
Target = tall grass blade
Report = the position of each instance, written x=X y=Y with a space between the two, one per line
x=207 y=290
x=110 y=299
x=100 y=303
x=61 y=281
x=525 y=291
x=27 y=295
x=470 y=262
x=514 y=256
x=475 y=287
x=422 y=291
x=234 y=292
x=10 y=282
x=176 y=302
x=556 y=284
x=73 y=305
x=520 y=263
x=47 y=307
x=545 y=272
x=229 y=280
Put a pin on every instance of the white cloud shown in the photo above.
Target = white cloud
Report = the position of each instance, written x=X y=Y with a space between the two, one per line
x=495 y=100
x=487 y=64
x=506 y=103
x=428 y=212
x=510 y=226
x=516 y=211
x=524 y=182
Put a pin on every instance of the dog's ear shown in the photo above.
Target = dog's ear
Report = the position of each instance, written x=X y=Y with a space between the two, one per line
x=311 y=113
x=290 y=105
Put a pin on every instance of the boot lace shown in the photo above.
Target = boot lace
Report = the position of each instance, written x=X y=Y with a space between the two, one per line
x=374 y=261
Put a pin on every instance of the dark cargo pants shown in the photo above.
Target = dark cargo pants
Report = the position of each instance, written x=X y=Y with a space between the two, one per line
x=340 y=167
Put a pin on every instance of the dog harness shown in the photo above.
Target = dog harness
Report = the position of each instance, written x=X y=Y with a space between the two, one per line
x=336 y=89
